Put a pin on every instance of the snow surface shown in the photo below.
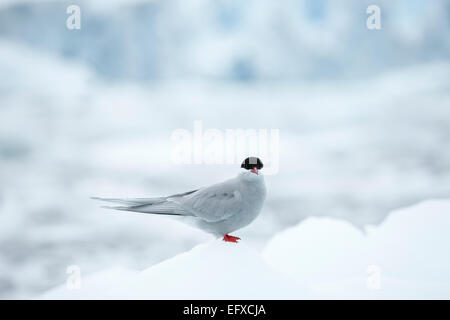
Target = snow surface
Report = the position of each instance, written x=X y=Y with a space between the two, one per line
x=411 y=250
x=320 y=258
x=214 y=270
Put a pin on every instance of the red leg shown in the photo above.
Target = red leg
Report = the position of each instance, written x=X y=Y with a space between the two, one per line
x=228 y=238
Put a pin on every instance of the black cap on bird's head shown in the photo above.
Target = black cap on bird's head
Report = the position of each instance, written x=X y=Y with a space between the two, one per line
x=253 y=164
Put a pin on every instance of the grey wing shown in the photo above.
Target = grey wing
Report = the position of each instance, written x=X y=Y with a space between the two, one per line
x=215 y=203
x=158 y=205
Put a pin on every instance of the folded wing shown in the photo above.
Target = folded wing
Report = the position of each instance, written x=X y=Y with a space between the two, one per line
x=215 y=203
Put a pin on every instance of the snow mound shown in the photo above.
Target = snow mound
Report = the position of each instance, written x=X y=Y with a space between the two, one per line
x=96 y=286
x=406 y=257
x=214 y=270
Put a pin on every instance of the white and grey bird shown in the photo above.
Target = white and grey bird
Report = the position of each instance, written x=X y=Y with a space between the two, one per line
x=218 y=209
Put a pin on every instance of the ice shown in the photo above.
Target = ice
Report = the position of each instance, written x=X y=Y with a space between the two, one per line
x=157 y=40
x=95 y=286
x=406 y=257
x=213 y=270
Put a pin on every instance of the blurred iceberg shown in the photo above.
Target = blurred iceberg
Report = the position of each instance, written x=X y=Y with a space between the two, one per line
x=231 y=40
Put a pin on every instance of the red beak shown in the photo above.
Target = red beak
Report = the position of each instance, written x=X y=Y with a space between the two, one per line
x=254 y=170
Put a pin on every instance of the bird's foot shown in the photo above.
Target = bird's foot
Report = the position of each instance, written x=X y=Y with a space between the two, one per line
x=228 y=238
